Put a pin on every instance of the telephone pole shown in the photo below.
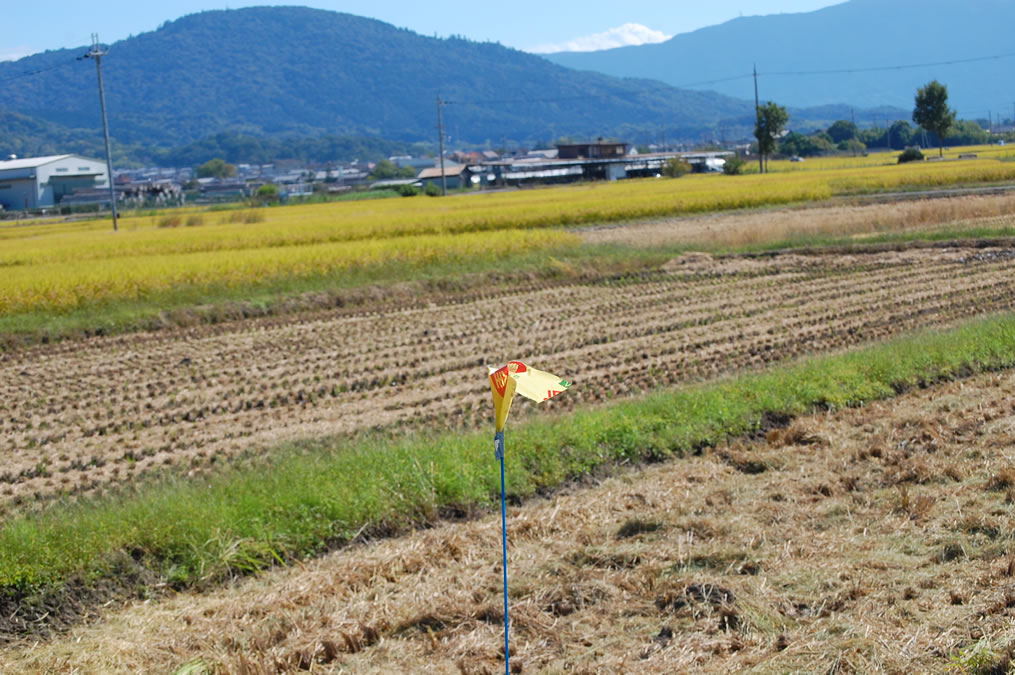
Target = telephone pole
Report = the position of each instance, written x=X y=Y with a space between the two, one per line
x=97 y=52
x=440 y=132
x=757 y=116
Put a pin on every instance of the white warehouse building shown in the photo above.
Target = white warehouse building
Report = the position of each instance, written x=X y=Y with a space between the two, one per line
x=41 y=182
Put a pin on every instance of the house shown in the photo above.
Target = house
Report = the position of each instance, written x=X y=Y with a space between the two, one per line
x=597 y=150
x=456 y=176
x=40 y=182
x=463 y=157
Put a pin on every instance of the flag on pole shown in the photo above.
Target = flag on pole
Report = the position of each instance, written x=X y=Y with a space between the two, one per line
x=538 y=385
x=516 y=377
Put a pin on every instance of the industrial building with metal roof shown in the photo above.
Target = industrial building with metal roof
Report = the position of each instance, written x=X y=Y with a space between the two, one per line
x=40 y=182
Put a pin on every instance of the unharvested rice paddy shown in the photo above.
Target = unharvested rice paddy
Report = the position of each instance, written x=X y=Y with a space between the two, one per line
x=60 y=267
x=82 y=415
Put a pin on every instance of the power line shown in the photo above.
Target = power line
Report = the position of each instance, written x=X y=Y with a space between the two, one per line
x=747 y=76
x=909 y=66
x=38 y=71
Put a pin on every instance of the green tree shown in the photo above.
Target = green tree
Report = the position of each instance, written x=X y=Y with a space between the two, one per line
x=386 y=170
x=842 y=131
x=772 y=119
x=853 y=145
x=216 y=168
x=805 y=146
x=967 y=133
x=267 y=193
x=932 y=111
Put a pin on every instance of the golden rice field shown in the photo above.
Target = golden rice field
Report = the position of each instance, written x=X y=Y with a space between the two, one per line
x=881 y=158
x=64 y=266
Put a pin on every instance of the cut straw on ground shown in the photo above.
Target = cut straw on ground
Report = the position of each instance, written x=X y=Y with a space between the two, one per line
x=315 y=497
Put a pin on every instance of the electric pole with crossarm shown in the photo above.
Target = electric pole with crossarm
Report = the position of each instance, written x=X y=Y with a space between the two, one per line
x=97 y=52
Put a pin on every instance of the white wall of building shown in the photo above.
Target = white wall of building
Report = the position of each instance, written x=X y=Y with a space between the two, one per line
x=40 y=182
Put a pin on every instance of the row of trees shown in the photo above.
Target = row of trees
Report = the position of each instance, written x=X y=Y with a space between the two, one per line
x=931 y=113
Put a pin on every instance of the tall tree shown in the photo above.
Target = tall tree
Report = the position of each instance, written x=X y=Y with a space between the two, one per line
x=216 y=168
x=842 y=131
x=772 y=119
x=932 y=111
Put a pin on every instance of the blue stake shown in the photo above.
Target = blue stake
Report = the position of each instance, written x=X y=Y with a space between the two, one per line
x=498 y=441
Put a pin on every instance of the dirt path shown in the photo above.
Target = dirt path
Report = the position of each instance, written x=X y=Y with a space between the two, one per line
x=78 y=416
x=868 y=540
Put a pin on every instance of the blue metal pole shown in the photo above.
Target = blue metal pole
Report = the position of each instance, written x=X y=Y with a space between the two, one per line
x=499 y=444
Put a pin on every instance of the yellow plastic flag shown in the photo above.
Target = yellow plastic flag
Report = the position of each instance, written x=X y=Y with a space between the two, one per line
x=537 y=385
x=503 y=387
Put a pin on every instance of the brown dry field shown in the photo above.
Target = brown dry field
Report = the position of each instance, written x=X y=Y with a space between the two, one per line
x=79 y=416
x=867 y=540
x=848 y=219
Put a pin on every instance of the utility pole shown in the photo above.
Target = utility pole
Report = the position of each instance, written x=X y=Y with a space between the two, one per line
x=440 y=132
x=97 y=52
x=757 y=116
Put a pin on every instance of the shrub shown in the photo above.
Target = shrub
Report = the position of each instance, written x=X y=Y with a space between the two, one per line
x=910 y=155
x=170 y=221
x=267 y=193
x=407 y=190
x=431 y=190
x=734 y=165
x=675 y=167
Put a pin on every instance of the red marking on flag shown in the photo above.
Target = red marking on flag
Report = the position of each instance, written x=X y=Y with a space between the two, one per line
x=499 y=379
x=516 y=367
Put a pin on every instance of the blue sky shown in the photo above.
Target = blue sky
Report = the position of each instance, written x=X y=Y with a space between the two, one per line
x=547 y=25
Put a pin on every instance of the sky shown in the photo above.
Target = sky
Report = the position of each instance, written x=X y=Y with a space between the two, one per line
x=530 y=25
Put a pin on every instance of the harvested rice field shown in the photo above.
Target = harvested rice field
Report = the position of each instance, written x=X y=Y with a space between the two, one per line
x=866 y=540
x=82 y=415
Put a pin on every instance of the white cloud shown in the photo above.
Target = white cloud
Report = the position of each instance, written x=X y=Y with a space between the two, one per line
x=623 y=36
x=15 y=53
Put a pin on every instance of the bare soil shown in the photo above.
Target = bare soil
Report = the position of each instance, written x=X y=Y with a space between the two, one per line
x=79 y=416
x=868 y=540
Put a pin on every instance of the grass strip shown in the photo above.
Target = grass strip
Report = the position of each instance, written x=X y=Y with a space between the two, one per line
x=313 y=497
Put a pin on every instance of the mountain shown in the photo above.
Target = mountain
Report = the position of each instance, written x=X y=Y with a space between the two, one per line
x=868 y=37
x=299 y=72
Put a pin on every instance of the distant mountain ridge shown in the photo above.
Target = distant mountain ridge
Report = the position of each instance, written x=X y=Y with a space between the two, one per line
x=868 y=38
x=294 y=72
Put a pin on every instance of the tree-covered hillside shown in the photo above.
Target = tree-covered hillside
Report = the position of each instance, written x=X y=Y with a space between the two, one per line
x=304 y=72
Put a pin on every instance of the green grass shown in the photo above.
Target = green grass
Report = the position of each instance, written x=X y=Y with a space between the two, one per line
x=315 y=496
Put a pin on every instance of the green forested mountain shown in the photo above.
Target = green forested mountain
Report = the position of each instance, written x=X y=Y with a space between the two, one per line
x=265 y=83
x=298 y=72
